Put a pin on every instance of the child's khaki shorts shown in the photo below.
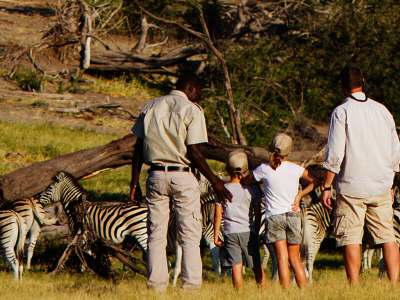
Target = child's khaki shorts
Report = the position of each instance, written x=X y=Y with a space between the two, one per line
x=285 y=226
x=350 y=214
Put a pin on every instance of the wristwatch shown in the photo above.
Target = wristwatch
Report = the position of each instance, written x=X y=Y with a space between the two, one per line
x=326 y=188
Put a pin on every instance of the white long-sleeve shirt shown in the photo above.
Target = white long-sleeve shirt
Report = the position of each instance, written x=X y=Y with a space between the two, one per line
x=363 y=148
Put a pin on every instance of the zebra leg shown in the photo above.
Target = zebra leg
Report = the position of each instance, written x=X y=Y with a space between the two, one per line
x=271 y=251
x=10 y=253
x=33 y=234
x=369 y=253
x=265 y=257
x=382 y=267
x=214 y=252
x=178 y=263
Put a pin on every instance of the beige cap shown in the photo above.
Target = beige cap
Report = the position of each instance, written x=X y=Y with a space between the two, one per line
x=236 y=162
x=281 y=143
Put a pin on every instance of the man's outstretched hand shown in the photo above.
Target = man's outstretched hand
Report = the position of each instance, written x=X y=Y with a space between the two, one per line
x=221 y=191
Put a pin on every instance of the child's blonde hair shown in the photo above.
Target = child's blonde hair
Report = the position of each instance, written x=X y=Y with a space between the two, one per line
x=280 y=147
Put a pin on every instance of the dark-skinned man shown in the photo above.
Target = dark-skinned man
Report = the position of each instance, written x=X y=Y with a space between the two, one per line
x=170 y=130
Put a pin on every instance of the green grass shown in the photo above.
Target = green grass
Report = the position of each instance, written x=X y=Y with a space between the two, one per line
x=22 y=144
x=125 y=86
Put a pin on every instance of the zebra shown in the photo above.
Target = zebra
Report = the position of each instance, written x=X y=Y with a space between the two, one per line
x=110 y=222
x=33 y=215
x=267 y=247
x=12 y=239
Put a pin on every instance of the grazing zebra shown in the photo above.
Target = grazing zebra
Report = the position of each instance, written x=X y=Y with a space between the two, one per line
x=33 y=215
x=111 y=222
x=12 y=239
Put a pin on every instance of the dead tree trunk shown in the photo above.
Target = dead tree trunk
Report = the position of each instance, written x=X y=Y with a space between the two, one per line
x=32 y=180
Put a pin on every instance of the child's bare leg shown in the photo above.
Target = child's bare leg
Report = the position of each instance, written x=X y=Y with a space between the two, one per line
x=237 y=278
x=294 y=260
x=282 y=256
x=261 y=279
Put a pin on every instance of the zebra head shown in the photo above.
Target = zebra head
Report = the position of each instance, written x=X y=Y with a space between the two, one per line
x=64 y=189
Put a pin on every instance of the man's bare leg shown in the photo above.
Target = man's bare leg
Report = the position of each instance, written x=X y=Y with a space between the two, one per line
x=392 y=261
x=352 y=262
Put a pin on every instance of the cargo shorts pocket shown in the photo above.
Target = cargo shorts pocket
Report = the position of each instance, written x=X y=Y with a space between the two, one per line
x=197 y=216
x=340 y=221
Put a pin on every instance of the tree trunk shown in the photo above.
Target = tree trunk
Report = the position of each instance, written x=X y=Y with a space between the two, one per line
x=32 y=180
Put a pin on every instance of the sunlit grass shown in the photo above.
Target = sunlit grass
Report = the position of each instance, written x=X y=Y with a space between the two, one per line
x=22 y=144
x=124 y=87
x=331 y=284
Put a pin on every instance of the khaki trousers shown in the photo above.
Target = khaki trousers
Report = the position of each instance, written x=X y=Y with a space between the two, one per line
x=183 y=189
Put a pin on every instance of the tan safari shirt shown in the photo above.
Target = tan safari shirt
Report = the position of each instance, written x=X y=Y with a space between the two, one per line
x=167 y=125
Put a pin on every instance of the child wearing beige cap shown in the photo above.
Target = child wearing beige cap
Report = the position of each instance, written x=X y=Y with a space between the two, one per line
x=282 y=200
x=240 y=227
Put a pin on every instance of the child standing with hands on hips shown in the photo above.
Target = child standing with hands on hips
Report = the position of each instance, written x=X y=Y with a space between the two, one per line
x=242 y=219
x=282 y=201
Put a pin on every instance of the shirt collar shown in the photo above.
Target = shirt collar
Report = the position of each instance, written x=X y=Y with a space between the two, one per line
x=359 y=95
x=178 y=93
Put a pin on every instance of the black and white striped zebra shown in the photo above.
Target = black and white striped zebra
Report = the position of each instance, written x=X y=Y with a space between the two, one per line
x=33 y=215
x=111 y=222
x=12 y=239
x=316 y=222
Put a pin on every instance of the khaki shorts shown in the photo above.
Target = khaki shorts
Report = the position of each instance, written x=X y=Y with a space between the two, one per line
x=351 y=213
x=239 y=246
x=285 y=226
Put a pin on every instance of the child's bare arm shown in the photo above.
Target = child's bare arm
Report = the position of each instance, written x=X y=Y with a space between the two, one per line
x=313 y=183
x=249 y=179
x=217 y=225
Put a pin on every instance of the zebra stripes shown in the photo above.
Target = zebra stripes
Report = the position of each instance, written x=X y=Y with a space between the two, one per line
x=114 y=222
x=315 y=228
x=33 y=216
x=111 y=222
x=12 y=239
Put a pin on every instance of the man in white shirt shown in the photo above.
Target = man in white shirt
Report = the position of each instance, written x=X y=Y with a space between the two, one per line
x=170 y=130
x=364 y=151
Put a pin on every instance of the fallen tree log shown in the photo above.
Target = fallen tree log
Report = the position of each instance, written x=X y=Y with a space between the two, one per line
x=32 y=180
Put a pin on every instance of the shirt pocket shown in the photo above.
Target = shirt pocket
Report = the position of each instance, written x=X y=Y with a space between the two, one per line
x=340 y=221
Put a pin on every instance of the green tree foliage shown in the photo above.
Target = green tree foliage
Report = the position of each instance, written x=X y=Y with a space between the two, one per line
x=302 y=66
x=287 y=73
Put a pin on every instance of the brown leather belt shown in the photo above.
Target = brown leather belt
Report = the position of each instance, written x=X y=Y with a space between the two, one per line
x=169 y=168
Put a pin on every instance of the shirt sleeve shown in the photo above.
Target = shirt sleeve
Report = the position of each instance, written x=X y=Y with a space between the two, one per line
x=197 y=130
x=395 y=147
x=301 y=171
x=258 y=173
x=336 y=142
x=138 y=128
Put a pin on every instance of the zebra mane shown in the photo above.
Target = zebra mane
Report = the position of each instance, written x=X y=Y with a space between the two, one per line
x=69 y=177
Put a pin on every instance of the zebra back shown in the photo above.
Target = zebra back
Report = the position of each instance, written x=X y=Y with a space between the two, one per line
x=111 y=222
